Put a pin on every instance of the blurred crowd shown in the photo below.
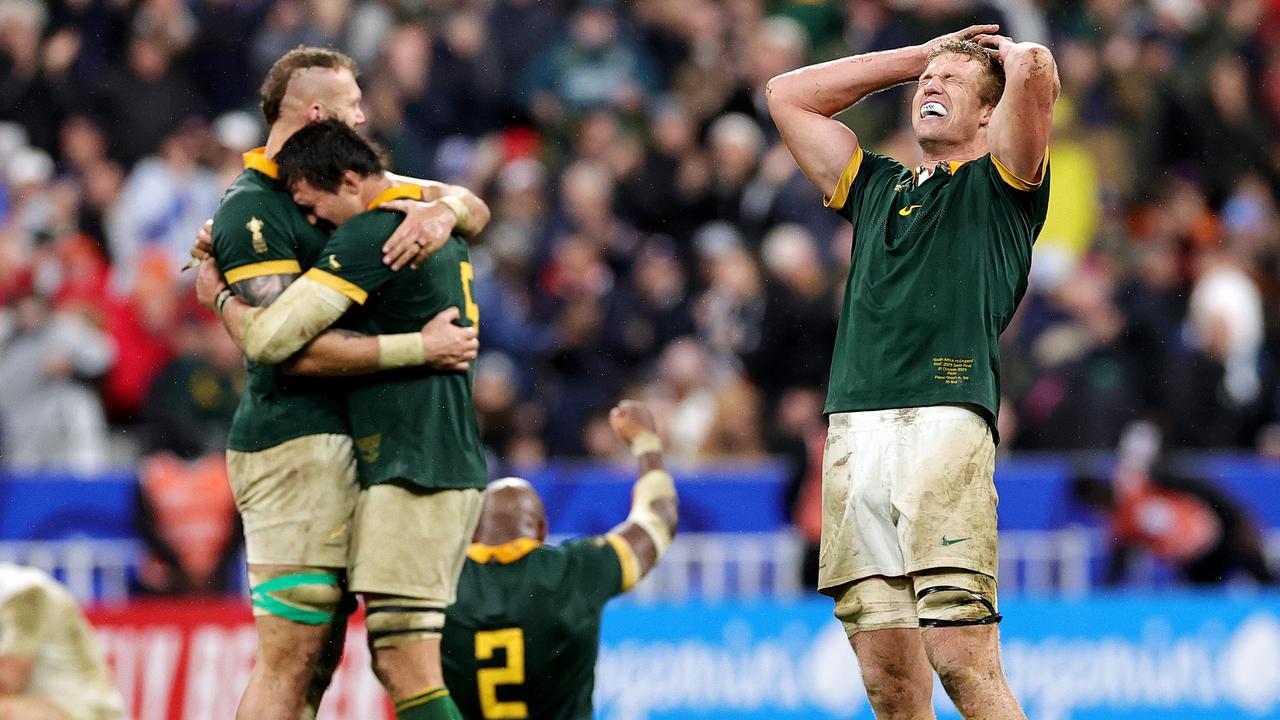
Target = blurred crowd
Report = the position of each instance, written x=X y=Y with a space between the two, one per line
x=651 y=235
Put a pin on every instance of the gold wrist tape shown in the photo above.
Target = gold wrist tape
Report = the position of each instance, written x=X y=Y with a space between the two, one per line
x=459 y=209
x=402 y=350
x=645 y=443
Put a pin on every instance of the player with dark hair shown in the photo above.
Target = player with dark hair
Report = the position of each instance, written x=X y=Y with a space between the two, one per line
x=289 y=453
x=521 y=641
x=420 y=463
x=940 y=261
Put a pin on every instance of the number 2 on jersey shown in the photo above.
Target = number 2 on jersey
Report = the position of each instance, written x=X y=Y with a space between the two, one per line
x=472 y=310
x=510 y=640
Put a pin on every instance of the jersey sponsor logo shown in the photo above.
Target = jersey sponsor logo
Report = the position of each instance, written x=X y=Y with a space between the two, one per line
x=908 y=210
x=946 y=542
x=333 y=263
x=254 y=226
x=370 y=447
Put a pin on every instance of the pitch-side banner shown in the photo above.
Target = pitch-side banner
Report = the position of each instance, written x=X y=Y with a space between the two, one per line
x=1189 y=657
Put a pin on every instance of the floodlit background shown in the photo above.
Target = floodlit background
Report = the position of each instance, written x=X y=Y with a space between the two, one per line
x=652 y=238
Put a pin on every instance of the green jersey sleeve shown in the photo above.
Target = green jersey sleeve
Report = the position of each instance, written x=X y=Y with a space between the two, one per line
x=596 y=567
x=864 y=171
x=252 y=237
x=1029 y=200
x=352 y=261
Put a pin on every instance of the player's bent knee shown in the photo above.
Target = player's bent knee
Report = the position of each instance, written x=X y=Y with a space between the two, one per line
x=956 y=599
x=309 y=596
x=393 y=621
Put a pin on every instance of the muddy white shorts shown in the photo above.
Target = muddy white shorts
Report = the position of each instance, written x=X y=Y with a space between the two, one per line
x=907 y=490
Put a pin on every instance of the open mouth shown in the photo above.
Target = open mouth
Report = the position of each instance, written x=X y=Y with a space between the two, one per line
x=933 y=109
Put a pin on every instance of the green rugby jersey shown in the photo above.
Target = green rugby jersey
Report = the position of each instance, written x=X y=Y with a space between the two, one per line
x=936 y=274
x=522 y=638
x=258 y=231
x=412 y=424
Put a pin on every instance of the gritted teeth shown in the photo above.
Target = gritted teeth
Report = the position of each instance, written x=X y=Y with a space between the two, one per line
x=933 y=109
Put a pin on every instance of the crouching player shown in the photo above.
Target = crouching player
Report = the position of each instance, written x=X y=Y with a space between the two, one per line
x=50 y=664
x=522 y=639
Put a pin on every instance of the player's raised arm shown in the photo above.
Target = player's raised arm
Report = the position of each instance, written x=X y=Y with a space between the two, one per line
x=802 y=102
x=651 y=524
x=1018 y=133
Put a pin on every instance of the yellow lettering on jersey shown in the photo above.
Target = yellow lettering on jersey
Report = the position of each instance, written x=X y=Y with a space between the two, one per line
x=488 y=679
x=472 y=311
x=908 y=210
x=254 y=226
x=333 y=263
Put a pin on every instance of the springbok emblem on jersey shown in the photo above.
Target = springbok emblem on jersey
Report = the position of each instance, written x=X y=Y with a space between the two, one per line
x=254 y=226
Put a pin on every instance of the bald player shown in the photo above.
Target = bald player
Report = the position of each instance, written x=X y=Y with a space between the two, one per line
x=522 y=639
x=50 y=664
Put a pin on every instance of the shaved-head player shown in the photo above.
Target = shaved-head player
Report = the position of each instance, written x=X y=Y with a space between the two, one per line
x=522 y=638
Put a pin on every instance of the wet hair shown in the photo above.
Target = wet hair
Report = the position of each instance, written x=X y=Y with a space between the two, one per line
x=320 y=152
x=302 y=57
x=993 y=88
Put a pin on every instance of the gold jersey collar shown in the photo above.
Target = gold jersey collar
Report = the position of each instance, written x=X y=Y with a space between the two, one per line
x=505 y=553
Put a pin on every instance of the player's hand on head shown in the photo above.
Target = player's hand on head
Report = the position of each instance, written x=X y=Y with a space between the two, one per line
x=209 y=283
x=970 y=33
x=999 y=45
x=449 y=346
x=424 y=230
x=630 y=418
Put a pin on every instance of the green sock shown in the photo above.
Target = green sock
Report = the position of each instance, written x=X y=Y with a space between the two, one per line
x=433 y=704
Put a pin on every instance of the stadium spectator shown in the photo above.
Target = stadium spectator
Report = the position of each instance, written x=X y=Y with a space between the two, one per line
x=52 y=419
x=647 y=119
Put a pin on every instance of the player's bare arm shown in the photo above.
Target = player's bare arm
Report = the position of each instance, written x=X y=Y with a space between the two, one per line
x=651 y=525
x=804 y=101
x=297 y=323
x=1018 y=133
x=446 y=346
x=427 y=225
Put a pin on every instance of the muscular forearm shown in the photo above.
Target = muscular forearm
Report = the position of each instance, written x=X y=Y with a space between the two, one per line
x=271 y=335
x=344 y=352
x=830 y=87
x=476 y=211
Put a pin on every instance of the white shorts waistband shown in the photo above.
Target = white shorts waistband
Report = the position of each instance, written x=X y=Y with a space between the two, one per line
x=875 y=419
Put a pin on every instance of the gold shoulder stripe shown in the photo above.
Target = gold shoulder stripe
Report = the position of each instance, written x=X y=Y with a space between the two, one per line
x=396 y=192
x=255 y=159
x=841 y=194
x=1016 y=182
x=627 y=559
x=269 y=267
x=505 y=553
x=357 y=294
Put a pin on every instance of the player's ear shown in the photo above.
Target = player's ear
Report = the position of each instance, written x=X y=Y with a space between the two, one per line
x=985 y=117
x=351 y=182
x=315 y=113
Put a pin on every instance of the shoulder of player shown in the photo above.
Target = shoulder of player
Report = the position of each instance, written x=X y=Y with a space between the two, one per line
x=376 y=223
x=244 y=202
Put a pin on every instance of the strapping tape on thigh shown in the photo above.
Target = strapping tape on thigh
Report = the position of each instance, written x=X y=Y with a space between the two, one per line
x=309 y=598
x=399 y=621
x=969 y=598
